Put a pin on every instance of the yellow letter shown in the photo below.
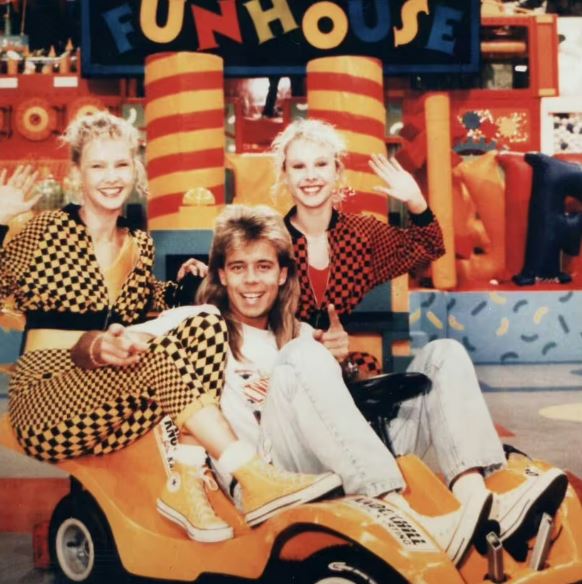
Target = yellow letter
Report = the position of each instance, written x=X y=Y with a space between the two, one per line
x=310 y=25
x=173 y=26
x=262 y=18
x=410 y=10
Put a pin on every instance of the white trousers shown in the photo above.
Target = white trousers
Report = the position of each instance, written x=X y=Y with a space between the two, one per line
x=311 y=424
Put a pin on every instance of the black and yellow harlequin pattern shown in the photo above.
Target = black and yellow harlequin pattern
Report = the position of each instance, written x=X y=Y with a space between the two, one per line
x=60 y=411
x=62 y=274
x=51 y=266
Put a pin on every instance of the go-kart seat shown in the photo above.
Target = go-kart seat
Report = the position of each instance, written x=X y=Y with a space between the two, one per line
x=379 y=397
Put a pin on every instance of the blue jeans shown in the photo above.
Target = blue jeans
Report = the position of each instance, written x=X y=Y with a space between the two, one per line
x=311 y=424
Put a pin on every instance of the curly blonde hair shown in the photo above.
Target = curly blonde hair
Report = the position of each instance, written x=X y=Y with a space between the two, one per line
x=313 y=130
x=87 y=127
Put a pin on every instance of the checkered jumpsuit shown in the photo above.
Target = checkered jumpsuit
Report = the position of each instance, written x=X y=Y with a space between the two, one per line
x=363 y=253
x=59 y=410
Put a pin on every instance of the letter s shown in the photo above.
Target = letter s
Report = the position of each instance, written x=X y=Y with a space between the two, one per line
x=410 y=10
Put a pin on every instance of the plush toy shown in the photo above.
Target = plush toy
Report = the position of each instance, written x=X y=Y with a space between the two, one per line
x=551 y=230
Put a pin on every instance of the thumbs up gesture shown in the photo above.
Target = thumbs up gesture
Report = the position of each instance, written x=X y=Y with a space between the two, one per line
x=335 y=338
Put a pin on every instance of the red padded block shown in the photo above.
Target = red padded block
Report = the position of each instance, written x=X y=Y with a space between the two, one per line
x=412 y=155
x=484 y=184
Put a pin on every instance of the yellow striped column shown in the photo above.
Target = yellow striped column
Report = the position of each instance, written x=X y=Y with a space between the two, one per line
x=185 y=128
x=348 y=92
x=440 y=183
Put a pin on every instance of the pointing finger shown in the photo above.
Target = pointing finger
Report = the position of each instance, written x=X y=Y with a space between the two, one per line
x=116 y=329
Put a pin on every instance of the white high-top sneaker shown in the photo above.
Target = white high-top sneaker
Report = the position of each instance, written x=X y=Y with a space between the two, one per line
x=455 y=531
x=542 y=492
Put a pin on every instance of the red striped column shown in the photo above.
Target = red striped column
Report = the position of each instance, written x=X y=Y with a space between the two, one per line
x=185 y=128
x=348 y=92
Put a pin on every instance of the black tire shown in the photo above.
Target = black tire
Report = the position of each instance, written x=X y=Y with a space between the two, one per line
x=346 y=565
x=80 y=542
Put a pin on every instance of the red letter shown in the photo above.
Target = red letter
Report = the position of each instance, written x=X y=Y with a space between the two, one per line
x=207 y=23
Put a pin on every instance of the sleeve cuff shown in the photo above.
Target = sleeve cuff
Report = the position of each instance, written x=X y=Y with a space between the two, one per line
x=422 y=219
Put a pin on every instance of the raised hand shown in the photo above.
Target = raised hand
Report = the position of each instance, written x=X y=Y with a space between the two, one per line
x=14 y=192
x=400 y=184
x=335 y=338
x=194 y=267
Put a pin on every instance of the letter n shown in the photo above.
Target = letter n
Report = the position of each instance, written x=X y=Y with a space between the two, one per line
x=208 y=23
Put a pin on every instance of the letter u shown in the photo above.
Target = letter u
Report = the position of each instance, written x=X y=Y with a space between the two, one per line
x=149 y=24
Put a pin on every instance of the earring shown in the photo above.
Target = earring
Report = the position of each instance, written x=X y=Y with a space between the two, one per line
x=341 y=194
x=72 y=188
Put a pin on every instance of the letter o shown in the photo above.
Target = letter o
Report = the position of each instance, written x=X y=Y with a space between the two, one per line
x=310 y=25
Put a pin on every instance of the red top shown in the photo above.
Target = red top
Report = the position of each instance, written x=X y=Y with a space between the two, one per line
x=318 y=279
x=363 y=253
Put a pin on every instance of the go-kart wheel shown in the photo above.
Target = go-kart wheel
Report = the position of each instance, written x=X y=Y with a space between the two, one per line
x=80 y=541
x=346 y=565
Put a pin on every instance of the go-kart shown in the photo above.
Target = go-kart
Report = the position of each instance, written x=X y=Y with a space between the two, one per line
x=108 y=527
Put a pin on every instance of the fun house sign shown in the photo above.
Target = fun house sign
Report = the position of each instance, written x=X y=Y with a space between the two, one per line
x=265 y=37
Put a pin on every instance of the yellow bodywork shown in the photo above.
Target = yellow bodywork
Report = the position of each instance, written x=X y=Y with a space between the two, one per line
x=126 y=484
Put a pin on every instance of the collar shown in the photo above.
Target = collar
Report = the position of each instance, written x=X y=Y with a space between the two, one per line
x=296 y=234
x=72 y=210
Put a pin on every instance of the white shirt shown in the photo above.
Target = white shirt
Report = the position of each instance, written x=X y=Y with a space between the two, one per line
x=247 y=381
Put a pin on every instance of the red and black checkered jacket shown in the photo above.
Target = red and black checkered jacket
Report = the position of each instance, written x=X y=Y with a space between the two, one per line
x=364 y=253
x=52 y=273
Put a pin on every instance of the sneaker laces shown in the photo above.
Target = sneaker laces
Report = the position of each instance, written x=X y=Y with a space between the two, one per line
x=279 y=475
x=197 y=479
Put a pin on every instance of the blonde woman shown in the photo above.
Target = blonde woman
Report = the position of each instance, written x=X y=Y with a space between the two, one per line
x=341 y=256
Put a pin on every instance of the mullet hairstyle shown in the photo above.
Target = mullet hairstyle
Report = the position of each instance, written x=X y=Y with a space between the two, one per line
x=237 y=226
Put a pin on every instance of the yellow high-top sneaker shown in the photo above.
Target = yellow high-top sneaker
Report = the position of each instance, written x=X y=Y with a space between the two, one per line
x=266 y=490
x=184 y=502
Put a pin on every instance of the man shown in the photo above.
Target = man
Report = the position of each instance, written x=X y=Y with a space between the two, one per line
x=284 y=393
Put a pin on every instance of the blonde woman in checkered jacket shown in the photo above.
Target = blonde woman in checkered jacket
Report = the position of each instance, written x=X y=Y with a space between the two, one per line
x=342 y=256
x=91 y=379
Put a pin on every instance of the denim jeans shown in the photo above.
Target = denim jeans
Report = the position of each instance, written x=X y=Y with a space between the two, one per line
x=311 y=424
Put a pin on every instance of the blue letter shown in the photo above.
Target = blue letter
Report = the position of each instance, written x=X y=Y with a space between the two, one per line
x=359 y=26
x=120 y=30
x=441 y=36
